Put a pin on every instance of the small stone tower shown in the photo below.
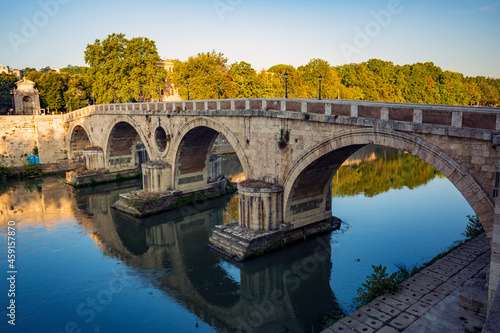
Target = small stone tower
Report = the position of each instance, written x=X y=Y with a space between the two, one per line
x=26 y=98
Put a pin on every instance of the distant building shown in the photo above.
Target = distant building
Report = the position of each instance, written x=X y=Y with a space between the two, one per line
x=26 y=98
x=171 y=92
x=17 y=72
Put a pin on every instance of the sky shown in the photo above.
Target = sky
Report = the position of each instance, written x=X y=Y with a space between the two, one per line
x=458 y=35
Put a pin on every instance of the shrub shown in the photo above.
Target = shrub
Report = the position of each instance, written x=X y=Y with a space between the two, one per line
x=377 y=284
x=31 y=171
x=474 y=227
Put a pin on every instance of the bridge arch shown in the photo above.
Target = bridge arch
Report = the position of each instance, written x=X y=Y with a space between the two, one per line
x=327 y=156
x=193 y=143
x=121 y=138
x=79 y=139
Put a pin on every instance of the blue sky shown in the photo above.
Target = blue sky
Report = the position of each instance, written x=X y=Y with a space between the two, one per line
x=461 y=36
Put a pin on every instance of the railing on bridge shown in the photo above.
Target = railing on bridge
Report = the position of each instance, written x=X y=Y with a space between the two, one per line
x=484 y=118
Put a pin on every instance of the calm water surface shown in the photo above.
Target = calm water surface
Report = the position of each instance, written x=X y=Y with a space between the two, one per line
x=85 y=266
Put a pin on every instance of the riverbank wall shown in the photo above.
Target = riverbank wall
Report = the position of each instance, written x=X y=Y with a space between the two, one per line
x=22 y=136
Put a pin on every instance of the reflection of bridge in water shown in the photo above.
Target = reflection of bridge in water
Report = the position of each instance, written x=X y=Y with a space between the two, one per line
x=252 y=296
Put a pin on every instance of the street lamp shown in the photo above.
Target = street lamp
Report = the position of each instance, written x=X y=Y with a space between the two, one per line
x=286 y=84
x=218 y=90
x=320 y=78
x=187 y=85
x=158 y=94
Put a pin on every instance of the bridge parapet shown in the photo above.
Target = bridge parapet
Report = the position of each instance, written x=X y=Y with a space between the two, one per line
x=482 y=118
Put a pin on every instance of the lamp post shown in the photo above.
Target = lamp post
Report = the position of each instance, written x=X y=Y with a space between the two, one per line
x=187 y=85
x=320 y=78
x=286 y=84
x=218 y=90
x=158 y=94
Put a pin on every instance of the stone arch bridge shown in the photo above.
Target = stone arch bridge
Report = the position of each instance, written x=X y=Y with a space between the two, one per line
x=292 y=148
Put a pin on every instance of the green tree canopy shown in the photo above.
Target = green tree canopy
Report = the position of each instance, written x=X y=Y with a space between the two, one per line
x=123 y=69
x=7 y=82
x=309 y=77
x=203 y=72
x=246 y=83
x=51 y=87
x=73 y=70
x=78 y=94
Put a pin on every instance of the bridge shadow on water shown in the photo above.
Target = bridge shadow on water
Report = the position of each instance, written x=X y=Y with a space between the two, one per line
x=284 y=290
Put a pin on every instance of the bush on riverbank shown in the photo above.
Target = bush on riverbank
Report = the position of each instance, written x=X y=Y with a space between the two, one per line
x=474 y=228
x=377 y=284
x=26 y=172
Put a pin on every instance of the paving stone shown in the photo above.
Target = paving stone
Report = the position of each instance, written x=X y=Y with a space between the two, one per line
x=432 y=298
x=415 y=287
x=379 y=315
x=458 y=260
x=387 y=329
x=418 y=309
x=446 y=288
x=410 y=293
x=337 y=328
x=477 y=265
x=424 y=282
x=464 y=253
x=435 y=275
x=428 y=279
x=400 y=296
x=385 y=308
x=459 y=278
x=392 y=302
x=356 y=325
x=403 y=321
x=367 y=320
x=451 y=264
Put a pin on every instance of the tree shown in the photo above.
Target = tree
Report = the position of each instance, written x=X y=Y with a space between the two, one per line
x=51 y=87
x=278 y=82
x=203 y=72
x=7 y=82
x=28 y=70
x=330 y=83
x=79 y=91
x=124 y=69
x=245 y=80
x=73 y=70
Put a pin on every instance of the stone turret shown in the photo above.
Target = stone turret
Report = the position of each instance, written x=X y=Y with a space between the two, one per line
x=26 y=98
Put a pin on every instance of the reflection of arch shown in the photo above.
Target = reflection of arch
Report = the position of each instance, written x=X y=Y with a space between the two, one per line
x=202 y=133
x=79 y=140
x=339 y=147
x=122 y=137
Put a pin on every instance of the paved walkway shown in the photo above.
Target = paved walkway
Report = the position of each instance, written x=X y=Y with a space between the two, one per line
x=429 y=301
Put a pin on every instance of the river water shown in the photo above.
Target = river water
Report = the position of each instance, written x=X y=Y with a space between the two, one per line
x=85 y=267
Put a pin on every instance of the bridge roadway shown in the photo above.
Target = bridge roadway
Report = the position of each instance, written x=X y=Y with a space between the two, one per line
x=294 y=148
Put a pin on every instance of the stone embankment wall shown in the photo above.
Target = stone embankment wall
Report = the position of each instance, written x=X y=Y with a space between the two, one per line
x=19 y=135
